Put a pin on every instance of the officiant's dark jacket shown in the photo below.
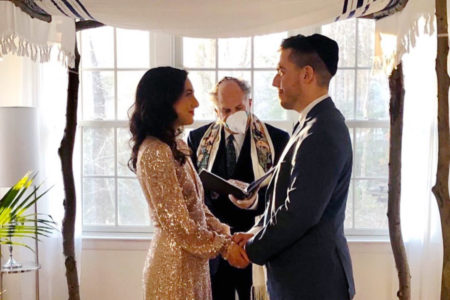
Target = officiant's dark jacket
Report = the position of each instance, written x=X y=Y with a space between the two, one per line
x=238 y=219
x=302 y=242
x=224 y=278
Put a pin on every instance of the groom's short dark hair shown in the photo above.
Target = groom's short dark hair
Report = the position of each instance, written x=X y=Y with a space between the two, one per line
x=317 y=51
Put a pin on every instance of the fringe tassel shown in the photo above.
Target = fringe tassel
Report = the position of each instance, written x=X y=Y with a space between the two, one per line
x=386 y=60
x=408 y=41
x=14 y=44
x=259 y=293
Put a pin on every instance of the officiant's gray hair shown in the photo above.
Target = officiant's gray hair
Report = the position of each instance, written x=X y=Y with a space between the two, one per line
x=245 y=87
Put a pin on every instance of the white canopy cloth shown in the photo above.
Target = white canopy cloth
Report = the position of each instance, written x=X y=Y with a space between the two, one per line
x=24 y=36
x=213 y=18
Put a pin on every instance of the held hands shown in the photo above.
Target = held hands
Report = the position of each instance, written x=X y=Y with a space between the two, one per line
x=241 y=238
x=236 y=256
x=242 y=203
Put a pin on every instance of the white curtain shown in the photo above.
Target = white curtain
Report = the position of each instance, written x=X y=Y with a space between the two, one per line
x=420 y=216
x=410 y=37
x=43 y=86
x=51 y=101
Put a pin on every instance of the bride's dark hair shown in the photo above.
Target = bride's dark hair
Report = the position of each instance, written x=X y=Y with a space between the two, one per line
x=152 y=113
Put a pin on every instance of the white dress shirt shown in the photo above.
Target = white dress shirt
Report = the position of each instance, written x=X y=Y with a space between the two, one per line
x=238 y=142
x=306 y=110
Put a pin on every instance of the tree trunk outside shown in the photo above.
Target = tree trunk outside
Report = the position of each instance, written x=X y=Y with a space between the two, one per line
x=395 y=167
x=440 y=189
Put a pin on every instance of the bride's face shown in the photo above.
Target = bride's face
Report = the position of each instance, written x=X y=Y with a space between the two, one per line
x=186 y=105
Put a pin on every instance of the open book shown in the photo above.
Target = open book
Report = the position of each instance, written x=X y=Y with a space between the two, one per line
x=216 y=183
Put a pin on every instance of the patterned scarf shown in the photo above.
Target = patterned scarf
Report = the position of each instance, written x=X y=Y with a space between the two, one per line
x=261 y=147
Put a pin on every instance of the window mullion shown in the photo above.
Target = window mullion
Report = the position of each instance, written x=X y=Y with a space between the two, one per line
x=217 y=60
x=116 y=193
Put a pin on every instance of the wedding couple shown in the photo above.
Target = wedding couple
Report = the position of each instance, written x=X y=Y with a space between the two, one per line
x=300 y=239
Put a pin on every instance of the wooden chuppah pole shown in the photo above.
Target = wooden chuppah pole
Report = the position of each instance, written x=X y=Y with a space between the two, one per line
x=440 y=189
x=65 y=152
x=396 y=87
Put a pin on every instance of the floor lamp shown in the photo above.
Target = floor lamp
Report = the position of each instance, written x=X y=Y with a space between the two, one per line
x=18 y=155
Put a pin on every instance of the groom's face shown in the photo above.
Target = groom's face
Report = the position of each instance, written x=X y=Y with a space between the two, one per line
x=231 y=99
x=288 y=81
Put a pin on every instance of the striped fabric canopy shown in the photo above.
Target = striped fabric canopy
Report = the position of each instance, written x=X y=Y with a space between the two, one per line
x=214 y=18
x=33 y=38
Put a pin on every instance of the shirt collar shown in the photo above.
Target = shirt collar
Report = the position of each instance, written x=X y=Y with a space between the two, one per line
x=310 y=106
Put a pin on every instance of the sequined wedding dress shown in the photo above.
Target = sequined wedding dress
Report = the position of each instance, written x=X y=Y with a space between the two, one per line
x=186 y=234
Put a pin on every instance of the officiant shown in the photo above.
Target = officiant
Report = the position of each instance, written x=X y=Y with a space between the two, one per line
x=236 y=146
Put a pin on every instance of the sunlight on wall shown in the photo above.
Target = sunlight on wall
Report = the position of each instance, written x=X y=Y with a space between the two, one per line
x=15 y=86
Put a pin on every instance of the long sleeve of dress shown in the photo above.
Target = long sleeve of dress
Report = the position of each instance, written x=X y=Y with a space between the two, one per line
x=214 y=223
x=158 y=171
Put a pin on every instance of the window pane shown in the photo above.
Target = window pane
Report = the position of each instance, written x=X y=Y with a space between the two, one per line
x=372 y=96
x=244 y=75
x=97 y=48
x=203 y=82
x=133 y=208
x=127 y=82
x=265 y=101
x=199 y=53
x=348 y=223
x=123 y=152
x=344 y=33
x=266 y=50
x=342 y=91
x=98 y=95
x=98 y=201
x=98 y=151
x=234 y=53
x=133 y=48
x=371 y=204
x=371 y=152
x=366 y=42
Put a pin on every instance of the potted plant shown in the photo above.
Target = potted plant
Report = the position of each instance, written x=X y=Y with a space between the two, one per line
x=16 y=220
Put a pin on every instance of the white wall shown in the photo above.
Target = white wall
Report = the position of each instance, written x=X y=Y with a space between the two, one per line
x=16 y=88
x=112 y=269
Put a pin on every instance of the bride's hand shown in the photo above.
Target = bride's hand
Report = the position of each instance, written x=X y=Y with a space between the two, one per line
x=237 y=256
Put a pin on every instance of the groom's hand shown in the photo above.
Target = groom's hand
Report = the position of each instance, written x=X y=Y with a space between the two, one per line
x=236 y=256
x=241 y=238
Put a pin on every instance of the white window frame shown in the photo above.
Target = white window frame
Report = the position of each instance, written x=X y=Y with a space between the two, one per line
x=167 y=49
x=161 y=55
x=353 y=125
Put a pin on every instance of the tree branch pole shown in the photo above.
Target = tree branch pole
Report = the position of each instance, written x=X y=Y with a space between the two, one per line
x=65 y=152
x=440 y=189
x=395 y=176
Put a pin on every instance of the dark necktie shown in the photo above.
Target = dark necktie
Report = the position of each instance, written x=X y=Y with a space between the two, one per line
x=231 y=155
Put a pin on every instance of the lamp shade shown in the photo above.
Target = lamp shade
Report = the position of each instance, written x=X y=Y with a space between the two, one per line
x=18 y=143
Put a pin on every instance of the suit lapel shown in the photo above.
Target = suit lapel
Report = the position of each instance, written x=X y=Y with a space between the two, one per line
x=288 y=154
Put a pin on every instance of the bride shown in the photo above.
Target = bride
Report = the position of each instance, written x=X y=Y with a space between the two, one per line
x=186 y=234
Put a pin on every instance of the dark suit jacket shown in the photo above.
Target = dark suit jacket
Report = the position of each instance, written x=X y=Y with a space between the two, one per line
x=302 y=242
x=238 y=219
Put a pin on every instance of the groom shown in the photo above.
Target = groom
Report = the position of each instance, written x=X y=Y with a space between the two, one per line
x=301 y=238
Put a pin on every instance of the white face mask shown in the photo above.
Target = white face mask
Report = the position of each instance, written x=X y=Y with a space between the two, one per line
x=237 y=122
